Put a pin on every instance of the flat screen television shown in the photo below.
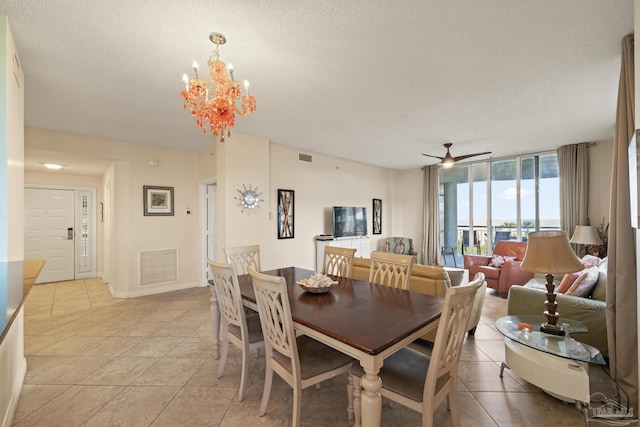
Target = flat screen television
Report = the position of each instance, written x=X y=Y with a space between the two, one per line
x=349 y=221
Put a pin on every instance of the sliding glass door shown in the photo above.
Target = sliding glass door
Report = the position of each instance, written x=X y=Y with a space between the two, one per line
x=484 y=202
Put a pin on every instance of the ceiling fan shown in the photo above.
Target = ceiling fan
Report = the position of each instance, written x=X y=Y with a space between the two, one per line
x=448 y=160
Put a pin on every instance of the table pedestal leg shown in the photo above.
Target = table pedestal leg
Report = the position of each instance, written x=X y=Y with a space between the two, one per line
x=371 y=405
x=215 y=322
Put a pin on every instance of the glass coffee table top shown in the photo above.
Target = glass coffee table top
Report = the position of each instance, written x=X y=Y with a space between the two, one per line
x=562 y=346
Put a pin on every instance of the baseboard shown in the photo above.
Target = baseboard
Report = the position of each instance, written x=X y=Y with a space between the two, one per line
x=7 y=420
x=152 y=290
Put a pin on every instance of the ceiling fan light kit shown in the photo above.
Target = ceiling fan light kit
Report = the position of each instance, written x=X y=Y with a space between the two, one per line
x=448 y=160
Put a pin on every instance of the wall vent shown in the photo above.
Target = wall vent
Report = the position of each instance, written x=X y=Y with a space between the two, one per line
x=305 y=157
x=158 y=266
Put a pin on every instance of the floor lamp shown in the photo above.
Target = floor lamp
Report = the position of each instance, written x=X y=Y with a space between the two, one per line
x=549 y=252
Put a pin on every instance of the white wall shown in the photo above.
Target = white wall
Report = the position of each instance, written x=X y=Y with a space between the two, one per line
x=13 y=365
x=325 y=182
x=131 y=232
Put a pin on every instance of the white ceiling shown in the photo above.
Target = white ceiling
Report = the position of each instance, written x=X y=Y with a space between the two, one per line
x=378 y=81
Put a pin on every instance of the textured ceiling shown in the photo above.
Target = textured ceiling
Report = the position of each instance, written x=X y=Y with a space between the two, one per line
x=378 y=81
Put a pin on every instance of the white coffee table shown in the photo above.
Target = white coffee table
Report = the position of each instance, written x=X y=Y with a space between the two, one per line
x=557 y=364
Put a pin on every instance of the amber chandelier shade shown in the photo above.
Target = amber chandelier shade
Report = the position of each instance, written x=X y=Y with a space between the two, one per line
x=214 y=105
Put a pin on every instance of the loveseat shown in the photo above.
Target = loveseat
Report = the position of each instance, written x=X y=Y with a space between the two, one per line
x=502 y=270
x=427 y=280
x=590 y=310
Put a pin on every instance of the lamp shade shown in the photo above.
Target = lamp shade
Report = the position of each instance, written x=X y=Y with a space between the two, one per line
x=586 y=235
x=550 y=252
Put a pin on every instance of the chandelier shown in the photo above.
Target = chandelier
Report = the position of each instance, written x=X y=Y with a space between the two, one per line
x=216 y=110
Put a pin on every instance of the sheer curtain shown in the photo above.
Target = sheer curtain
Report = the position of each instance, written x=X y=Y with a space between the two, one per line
x=431 y=216
x=573 y=167
x=622 y=303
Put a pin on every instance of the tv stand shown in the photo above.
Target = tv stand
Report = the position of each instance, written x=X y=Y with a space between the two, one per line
x=360 y=244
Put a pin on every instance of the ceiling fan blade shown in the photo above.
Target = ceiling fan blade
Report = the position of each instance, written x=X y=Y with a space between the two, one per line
x=466 y=156
x=435 y=157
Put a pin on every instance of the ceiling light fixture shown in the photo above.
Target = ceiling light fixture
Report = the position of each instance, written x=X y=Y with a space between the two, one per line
x=216 y=110
x=53 y=166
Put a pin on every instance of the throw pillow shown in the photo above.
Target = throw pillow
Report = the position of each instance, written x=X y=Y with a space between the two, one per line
x=499 y=260
x=584 y=285
x=590 y=260
x=567 y=281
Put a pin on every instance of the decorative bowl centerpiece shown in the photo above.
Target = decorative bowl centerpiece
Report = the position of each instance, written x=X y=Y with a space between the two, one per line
x=317 y=284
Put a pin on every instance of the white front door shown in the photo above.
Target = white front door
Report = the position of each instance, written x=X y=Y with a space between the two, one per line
x=49 y=232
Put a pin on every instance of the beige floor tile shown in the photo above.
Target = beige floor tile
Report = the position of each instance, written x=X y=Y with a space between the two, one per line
x=196 y=406
x=170 y=379
x=205 y=330
x=529 y=409
x=163 y=315
x=487 y=332
x=72 y=370
x=120 y=371
x=37 y=365
x=35 y=396
x=494 y=349
x=192 y=347
x=135 y=406
x=170 y=372
x=471 y=353
x=112 y=346
x=70 y=346
x=177 y=329
x=485 y=376
x=71 y=408
x=35 y=344
x=140 y=329
x=153 y=346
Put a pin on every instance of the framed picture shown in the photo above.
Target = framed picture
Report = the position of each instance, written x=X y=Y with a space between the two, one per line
x=157 y=200
x=285 y=214
x=377 y=216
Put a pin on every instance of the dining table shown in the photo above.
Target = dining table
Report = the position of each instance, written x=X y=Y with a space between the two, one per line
x=367 y=321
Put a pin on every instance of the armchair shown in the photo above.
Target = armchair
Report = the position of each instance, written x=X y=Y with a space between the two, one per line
x=399 y=245
x=500 y=275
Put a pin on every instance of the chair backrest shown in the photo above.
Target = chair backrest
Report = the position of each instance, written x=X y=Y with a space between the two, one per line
x=244 y=256
x=500 y=236
x=225 y=282
x=275 y=317
x=338 y=261
x=390 y=269
x=399 y=245
x=509 y=248
x=458 y=304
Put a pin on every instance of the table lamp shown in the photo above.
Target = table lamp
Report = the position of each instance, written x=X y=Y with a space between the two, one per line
x=586 y=235
x=549 y=252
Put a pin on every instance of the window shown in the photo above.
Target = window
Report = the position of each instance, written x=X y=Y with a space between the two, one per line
x=507 y=199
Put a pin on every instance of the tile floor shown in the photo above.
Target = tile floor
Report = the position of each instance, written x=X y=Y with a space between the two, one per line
x=97 y=361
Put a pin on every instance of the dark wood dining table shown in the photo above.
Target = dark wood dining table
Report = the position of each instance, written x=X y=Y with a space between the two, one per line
x=366 y=321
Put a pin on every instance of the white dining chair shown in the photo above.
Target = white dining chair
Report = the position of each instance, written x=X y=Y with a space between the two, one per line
x=300 y=361
x=390 y=269
x=244 y=256
x=421 y=382
x=338 y=261
x=243 y=330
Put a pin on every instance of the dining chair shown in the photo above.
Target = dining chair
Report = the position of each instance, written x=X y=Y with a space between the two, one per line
x=242 y=330
x=390 y=269
x=338 y=261
x=300 y=361
x=421 y=382
x=244 y=256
